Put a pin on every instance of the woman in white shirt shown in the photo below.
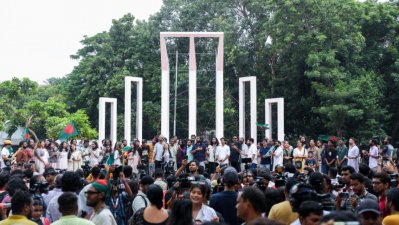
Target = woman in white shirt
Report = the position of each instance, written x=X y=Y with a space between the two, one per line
x=94 y=154
x=201 y=212
x=117 y=154
x=300 y=154
x=41 y=157
x=76 y=158
x=211 y=151
x=63 y=158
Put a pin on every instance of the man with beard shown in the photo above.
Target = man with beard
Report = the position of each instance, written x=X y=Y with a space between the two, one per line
x=21 y=206
x=381 y=184
x=96 y=195
x=23 y=154
x=357 y=183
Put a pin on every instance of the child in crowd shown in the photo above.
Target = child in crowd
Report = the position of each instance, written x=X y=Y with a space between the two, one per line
x=37 y=213
x=311 y=161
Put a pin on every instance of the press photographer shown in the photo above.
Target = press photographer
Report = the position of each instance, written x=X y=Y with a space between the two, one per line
x=37 y=187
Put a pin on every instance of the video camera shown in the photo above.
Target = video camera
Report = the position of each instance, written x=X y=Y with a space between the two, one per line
x=42 y=187
x=86 y=168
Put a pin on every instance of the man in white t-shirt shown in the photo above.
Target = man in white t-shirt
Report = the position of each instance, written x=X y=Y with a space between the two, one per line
x=277 y=155
x=253 y=152
x=373 y=155
x=5 y=153
x=244 y=149
x=223 y=153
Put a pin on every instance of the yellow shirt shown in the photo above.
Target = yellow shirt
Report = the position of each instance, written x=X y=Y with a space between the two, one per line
x=283 y=212
x=17 y=219
x=391 y=220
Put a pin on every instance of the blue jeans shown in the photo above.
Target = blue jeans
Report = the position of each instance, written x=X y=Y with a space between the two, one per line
x=265 y=166
x=324 y=169
x=253 y=165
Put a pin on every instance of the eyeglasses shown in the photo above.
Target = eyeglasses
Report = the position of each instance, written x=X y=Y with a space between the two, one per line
x=376 y=182
x=87 y=193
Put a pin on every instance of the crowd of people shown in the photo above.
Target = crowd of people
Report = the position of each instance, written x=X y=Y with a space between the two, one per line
x=185 y=182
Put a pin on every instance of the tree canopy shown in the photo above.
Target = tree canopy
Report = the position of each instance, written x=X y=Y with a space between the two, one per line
x=335 y=62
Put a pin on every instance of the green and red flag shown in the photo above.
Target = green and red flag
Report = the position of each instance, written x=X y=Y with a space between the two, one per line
x=71 y=130
x=25 y=134
x=262 y=126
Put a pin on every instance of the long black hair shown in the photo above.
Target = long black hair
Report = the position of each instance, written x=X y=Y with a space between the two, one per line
x=155 y=195
x=181 y=213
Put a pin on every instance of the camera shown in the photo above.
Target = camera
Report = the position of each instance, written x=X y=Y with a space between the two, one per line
x=42 y=187
x=116 y=173
x=302 y=177
x=344 y=195
x=85 y=168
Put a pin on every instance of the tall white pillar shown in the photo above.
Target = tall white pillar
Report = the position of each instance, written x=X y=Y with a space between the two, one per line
x=164 y=89
x=220 y=88
x=192 y=93
x=241 y=90
x=192 y=129
x=280 y=117
x=101 y=118
x=139 y=107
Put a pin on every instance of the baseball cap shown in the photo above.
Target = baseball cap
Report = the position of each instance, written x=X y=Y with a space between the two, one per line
x=230 y=175
x=369 y=205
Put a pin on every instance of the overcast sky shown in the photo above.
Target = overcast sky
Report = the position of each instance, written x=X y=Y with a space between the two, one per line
x=37 y=37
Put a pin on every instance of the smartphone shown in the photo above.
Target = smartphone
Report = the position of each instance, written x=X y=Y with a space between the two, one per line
x=185 y=157
x=344 y=195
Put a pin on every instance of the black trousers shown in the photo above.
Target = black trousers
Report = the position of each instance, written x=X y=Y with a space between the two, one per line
x=236 y=165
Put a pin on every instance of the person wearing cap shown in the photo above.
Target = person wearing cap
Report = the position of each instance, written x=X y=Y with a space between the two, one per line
x=369 y=212
x=5 y=153
x=95 y=197
x=141 y=200
x=224 y=202
x=392 y=205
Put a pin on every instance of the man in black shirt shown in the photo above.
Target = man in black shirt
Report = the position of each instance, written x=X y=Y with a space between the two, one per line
x=330 y=155
x=235 y=151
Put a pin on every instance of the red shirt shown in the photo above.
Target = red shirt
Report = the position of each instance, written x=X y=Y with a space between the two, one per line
x=382 y=200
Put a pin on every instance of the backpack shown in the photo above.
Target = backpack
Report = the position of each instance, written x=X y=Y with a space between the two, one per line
x=130 y=217
x=128 y=209
x=137 y=218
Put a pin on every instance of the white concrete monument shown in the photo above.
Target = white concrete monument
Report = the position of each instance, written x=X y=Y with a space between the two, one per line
x=280 y=117
x=139 y=107
x=241 y=94
x=192 y=102
x=101 y=122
